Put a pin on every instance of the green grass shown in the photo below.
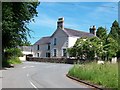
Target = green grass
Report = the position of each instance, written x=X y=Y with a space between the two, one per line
x=105 y=75
x=14 y=60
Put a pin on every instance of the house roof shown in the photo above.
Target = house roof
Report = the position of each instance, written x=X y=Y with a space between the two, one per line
x=68 y=32
x=43 y=40
x=72 y=32
x=25 y=48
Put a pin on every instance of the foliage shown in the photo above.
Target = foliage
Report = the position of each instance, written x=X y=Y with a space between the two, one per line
x=86 y=48
x=111 y=48
x=115 y=34
x=103 y=47
x=101 y=33
x=14 y=60
x=105 y=75
x=13 y=52
x=27 y=43
x=15 y=16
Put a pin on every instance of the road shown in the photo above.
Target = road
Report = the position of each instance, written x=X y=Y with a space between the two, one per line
x=39 y=75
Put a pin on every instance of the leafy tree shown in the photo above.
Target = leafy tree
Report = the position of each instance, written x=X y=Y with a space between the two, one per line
x=115 y=34
x=102 y=33
x=110 y=48
x=15 y=16
x=87 y=48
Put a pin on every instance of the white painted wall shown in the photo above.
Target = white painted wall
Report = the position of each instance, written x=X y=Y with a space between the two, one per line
x=24 y=55
x=42 y=50
x=71 y=41
x=61 y=41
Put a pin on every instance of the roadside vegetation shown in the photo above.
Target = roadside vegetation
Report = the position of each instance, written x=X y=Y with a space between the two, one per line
x=103 y=74
x=103 y=47
x=15 y=17
x=12 y=57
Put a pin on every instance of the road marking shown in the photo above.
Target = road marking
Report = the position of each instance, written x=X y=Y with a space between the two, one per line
x=27 y=75
x=32 y=66
x=23 y=67
x=32 y=82
x=27 y=66
x=33 y=85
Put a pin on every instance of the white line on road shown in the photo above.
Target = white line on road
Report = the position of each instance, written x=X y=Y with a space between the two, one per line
x=31 y=82
x=33 y=85
x=27 y=66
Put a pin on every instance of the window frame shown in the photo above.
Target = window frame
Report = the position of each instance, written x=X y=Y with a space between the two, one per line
x=55 y=52
x=55 y=41
x=38 y=47
x=64 y=52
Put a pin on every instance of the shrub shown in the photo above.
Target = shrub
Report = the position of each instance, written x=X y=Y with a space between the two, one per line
x=14 y=60
x=13 y=52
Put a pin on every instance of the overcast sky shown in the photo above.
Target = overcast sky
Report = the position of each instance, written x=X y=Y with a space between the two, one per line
x=77 y=15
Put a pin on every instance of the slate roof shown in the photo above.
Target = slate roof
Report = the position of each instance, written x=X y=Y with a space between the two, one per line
x=25 y=48
x=43 y=40
x=69 y=32
x=72 y=32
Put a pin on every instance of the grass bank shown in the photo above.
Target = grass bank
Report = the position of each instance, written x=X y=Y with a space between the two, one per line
x=105 y=75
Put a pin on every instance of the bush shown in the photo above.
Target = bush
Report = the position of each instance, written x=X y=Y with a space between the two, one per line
x=13 y=52
x=14 y=60
x=105 y=75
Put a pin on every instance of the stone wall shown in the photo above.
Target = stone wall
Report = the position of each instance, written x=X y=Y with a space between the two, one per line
x=52 y=60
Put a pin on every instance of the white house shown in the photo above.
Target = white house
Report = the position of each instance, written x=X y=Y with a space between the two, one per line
x=57 y=44
x=26 y=50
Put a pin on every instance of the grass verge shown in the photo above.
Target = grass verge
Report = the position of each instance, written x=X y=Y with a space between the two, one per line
x=105 y=75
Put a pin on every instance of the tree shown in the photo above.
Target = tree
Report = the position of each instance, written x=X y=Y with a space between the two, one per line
x=87 y=48
x=115 y=34
x=15 y=16
x=102 y=33
x=14 y=19
x=110 y=48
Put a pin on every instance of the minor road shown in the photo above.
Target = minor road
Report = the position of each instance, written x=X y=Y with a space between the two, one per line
x=39 y=75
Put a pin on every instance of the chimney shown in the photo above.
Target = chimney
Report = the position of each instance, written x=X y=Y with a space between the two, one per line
x=60 y=23
x=93 y=30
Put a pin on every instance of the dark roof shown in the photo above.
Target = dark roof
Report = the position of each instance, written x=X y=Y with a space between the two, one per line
x=69 y=32
x=72 y=32
x=43 y=40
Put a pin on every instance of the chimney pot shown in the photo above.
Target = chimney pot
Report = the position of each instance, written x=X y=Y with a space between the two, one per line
x=60 y=23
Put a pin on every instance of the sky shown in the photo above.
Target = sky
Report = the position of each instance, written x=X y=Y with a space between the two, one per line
x=77 y=15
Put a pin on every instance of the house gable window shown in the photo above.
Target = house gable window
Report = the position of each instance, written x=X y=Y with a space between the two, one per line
x=38 y=47
x=64 y=52
x=48 y=46
x=55 y=52
x=38 y=55
x=54 y=41
x=48 y=54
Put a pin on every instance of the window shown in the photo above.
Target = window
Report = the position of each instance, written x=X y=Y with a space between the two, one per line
x=38 y=47
x=47 y=54
x=37 y=54
x=48 y=46
x=64 y=53
x=54 y=41
x=55 y=52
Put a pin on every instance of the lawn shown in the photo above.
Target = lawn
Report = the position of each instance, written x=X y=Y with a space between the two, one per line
x=105 y=75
